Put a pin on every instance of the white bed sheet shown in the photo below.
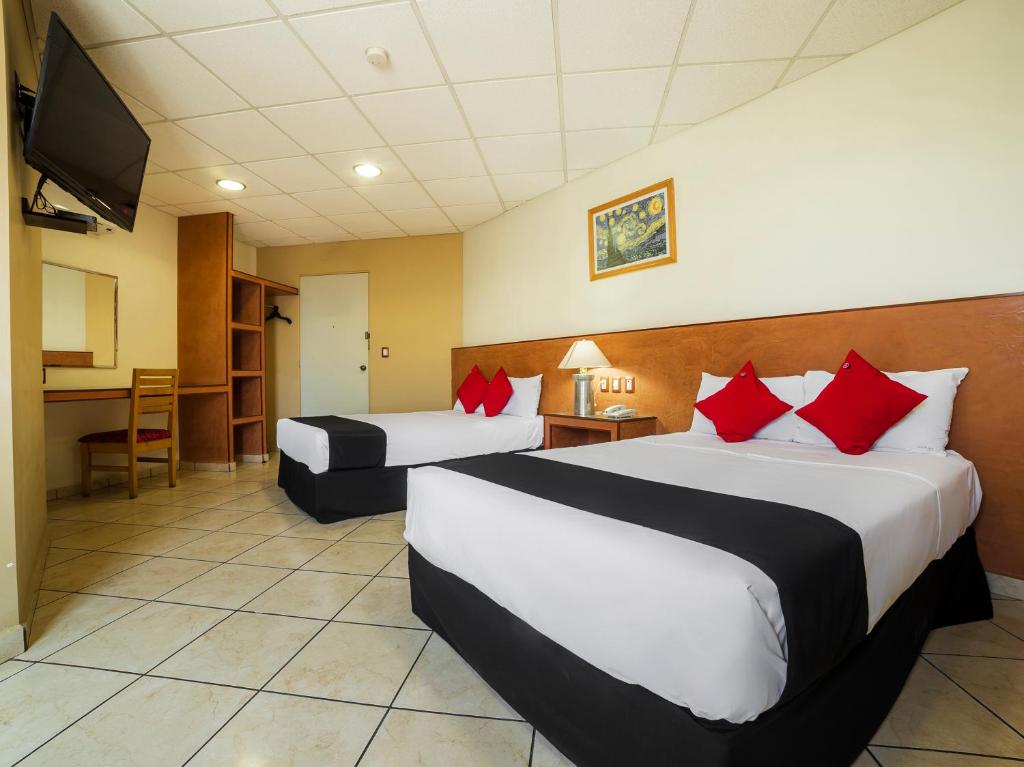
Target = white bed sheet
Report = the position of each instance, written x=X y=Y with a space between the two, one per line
x=422 y=437
x=693 y=624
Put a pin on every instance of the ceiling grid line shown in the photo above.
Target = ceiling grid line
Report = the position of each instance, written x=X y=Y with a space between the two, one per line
x=672 y=70
x=807 y=39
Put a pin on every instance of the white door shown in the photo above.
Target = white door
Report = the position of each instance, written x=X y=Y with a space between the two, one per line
x=334 y=351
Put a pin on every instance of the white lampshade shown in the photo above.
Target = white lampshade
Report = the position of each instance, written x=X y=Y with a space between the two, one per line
x=584 y=354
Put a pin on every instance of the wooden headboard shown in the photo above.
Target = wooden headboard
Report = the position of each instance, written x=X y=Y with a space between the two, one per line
x=983 y=334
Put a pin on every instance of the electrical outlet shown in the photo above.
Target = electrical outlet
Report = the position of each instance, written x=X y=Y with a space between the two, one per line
x=385 y=351
x=616 y=384
x=602 y=383
x=630 y=385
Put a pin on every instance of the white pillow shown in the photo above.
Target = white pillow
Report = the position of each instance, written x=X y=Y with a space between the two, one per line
x=460 y=409
x=925 y=429
x=525 y=399
x=790 y=389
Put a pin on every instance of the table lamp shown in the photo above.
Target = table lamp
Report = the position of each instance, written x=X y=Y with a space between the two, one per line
x=584 y=354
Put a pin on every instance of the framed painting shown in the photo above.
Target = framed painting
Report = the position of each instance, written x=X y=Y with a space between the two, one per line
x=633 y=232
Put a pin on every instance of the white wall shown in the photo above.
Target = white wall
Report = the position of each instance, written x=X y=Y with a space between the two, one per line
x=896 y=175
x=63 y=309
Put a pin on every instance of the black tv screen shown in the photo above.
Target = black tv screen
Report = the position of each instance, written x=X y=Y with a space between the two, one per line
x=81 y=135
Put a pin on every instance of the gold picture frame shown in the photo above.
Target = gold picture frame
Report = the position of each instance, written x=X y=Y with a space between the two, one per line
x=635 y=231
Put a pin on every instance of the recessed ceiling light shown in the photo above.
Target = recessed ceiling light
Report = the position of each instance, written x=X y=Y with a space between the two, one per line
x=367 y=170
x=230 y=184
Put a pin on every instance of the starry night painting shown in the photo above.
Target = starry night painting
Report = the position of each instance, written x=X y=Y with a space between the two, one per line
x=636 y=231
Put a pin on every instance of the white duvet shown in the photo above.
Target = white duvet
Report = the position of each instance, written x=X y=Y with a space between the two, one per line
x=422 y=437
x=693 y=624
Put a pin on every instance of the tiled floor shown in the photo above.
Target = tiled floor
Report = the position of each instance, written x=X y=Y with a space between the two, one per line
x=215 y=624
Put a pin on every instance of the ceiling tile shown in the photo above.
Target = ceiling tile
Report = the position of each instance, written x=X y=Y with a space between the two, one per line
x=315 y=226
x=207 y=178
x=93 y=21
x=175 y=148
x=152 y=167
x=160 y=74
x=244 y=136
x=663 y=132
x=383 y=235
x=182 y=15
x=466 y=216
x=515 y=187
x=268 y=233
x=172 y=210
x=852 y=25
x=506 y=107
x=610 y=34
x=363 y=223
x=330 y=202
x=342 y=163
x=594 y=148
x=462 y=191
x=414 y=117
x=803 y=67
x=333 y=125
x=589 y=98
x=522 y=154
x=174 y=190
x=397 y=196
x=700 y=91
x=509 y=39
x=739 y=30
x=422 y=221
x=289 y=7
x=340 y=40
x=276 y=206
x=142 y=113
x=242 y=215
x=574 y=174
x=265 y=63
x=444 y=159
x=295 y=174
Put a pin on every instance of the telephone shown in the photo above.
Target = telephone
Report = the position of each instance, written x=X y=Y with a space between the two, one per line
x=618 y=411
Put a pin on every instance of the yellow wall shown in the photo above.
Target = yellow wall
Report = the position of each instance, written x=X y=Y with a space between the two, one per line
x=100 y=319
x=244 y=257
x=415 y=309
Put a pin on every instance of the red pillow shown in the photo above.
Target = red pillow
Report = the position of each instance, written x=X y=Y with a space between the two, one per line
x=742 y=407
x=499 y=392
x=860 y=405
x=472 y=389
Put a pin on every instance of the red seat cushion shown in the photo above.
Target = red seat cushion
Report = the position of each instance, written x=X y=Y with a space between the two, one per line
x=498 y=393
x=742 y=407
x=472 y=389
x=860 y=405
x=121 y=436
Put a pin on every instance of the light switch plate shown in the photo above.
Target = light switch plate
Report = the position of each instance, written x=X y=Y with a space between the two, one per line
x=602 y=383
x=385 y=351
x=630 y=385
x=616 y=384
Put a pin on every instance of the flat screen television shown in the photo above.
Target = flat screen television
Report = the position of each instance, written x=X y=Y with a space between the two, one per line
x=81 y=135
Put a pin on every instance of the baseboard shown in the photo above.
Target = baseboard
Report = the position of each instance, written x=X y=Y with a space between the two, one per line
x=255 y=458
x=1005 y=585
x=109 y=479
x=199 y=466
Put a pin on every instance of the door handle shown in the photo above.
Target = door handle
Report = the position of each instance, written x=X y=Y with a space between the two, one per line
x=363 y=368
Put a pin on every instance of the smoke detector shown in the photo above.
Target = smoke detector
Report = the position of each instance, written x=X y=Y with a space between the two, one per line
x=378 y=57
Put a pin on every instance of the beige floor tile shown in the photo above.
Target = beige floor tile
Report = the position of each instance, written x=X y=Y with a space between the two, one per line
x=45 y=597
x=864 y=760
x=101 y=536
x=391 y=516
x=159 y=516
x=442 y=681
x=980 y=638
x=209 y=483
x=355 y=558
x=335 y=531
x=251 y=503
x=93 y=511
x=152 y=496
x=61 y=528
x=384 y=602
x=88 y=569
x=546 y=755
x=398 y=567
x=142 y=639
x=157 y=541
x=206 y=500
x=41 y=701
x=997 y=683
x=212 y=519
x=346 y=661
x=287 y=507
x=245 y=650
x=264 y=523
x=285 y=731
x=1010 y=616
x=60 y=623
x=379 y=532
x=56 y=556
x=282 y=552
x=218 y=546
x=309 y=595
x=893 y=757
x=248 y=485
x=227 y=586
x=11 y=667
x=933 y=713
x=155 y=722
x=437 y=740
x=151 y=579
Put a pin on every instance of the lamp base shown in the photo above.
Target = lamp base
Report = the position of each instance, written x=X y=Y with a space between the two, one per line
x=584 y=401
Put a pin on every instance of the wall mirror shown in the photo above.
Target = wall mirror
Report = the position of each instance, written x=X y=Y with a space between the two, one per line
x=79 y=318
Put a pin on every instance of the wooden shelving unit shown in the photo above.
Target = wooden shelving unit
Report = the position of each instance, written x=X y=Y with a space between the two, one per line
x=221 y=349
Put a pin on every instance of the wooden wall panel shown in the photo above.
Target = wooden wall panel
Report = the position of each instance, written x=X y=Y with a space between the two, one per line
x=983 y=334
x=204 y=263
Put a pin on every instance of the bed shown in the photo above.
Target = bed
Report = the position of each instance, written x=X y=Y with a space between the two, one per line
x=335 y=468
x=779 y=632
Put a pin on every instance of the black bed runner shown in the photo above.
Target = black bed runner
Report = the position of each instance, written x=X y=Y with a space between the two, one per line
x=353 y=444
x=816 y=562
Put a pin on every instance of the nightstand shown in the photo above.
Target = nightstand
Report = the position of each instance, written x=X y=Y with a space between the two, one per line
x=568 y=430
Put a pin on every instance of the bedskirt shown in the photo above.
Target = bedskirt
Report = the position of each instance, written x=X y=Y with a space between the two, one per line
x=343 y=493
x=599 y=721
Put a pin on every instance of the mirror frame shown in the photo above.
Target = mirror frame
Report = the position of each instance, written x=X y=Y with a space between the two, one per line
x=116 y=302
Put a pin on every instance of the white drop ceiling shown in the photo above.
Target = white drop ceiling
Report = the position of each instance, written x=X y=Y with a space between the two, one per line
x=485 y=103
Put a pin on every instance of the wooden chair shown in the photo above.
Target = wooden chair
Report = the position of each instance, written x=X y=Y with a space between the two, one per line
x=153 y=391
